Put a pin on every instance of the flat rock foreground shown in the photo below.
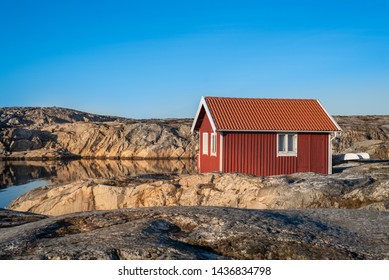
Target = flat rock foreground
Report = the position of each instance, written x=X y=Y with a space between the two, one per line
x=197 y=233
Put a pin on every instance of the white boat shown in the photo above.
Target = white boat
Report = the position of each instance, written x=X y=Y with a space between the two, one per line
x=351 y=156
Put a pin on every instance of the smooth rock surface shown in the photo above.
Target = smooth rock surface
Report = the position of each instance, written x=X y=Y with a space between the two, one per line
x=202 y=233
x=9 y=218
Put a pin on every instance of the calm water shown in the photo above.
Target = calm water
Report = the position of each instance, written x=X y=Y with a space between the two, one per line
x=9 y=194
x=19 y=177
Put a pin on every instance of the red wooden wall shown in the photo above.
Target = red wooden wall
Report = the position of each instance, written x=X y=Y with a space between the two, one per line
x=208 y=163
x=256 y=153
x=313 y=152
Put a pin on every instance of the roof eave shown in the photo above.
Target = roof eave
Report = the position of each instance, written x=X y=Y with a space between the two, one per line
x=332 y=119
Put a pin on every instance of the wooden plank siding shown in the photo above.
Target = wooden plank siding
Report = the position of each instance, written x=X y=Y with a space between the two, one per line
x=208 y=163
x=256 y=154
x=313 y=152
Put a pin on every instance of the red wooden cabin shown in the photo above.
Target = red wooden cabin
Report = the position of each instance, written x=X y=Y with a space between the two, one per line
x=263 y=137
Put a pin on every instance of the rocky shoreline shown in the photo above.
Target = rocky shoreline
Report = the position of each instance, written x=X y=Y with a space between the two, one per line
x=358 y=187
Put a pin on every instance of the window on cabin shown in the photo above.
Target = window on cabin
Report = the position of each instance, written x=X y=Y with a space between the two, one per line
x=287 y=145
x=213 y=144
x=281 y=143
x=291 y=142
x=205 y=143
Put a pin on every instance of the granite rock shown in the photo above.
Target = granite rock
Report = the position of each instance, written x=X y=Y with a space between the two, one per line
x=368 y=134
x=356 y=187
x=52 y=133
x=202 y=233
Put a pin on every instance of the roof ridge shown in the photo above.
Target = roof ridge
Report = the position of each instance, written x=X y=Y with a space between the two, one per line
x=263 y=98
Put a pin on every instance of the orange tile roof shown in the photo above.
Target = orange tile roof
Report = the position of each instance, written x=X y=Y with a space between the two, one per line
x=269 y=114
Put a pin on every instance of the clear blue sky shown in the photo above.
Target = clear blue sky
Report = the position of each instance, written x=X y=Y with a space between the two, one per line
x=149 y=59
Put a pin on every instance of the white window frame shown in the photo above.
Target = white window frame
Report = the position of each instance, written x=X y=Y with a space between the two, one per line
x=205 y=143
x=213 y=144
x=285 y=152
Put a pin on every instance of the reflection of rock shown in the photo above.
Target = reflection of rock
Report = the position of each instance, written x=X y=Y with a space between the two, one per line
x=18 y=173
x=304 y=190
x=64 y=133
x=202 y=233
x=21 y=172
x=85 y=169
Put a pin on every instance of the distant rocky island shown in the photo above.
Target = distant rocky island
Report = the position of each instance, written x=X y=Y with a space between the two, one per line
x=37 y=133
x=186 y=216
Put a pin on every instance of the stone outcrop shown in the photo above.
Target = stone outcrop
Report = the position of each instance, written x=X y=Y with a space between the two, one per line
x=202 y=233
x=53 y=133
x=10 y=218
x=364 y=134
x=36 y=117
x=356 y=187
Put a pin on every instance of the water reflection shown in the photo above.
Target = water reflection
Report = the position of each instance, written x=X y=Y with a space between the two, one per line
x=7 y=195
x=22 y=172
x=19 y=177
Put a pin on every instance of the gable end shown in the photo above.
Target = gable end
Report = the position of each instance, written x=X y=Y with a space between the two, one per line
x=202 y=109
